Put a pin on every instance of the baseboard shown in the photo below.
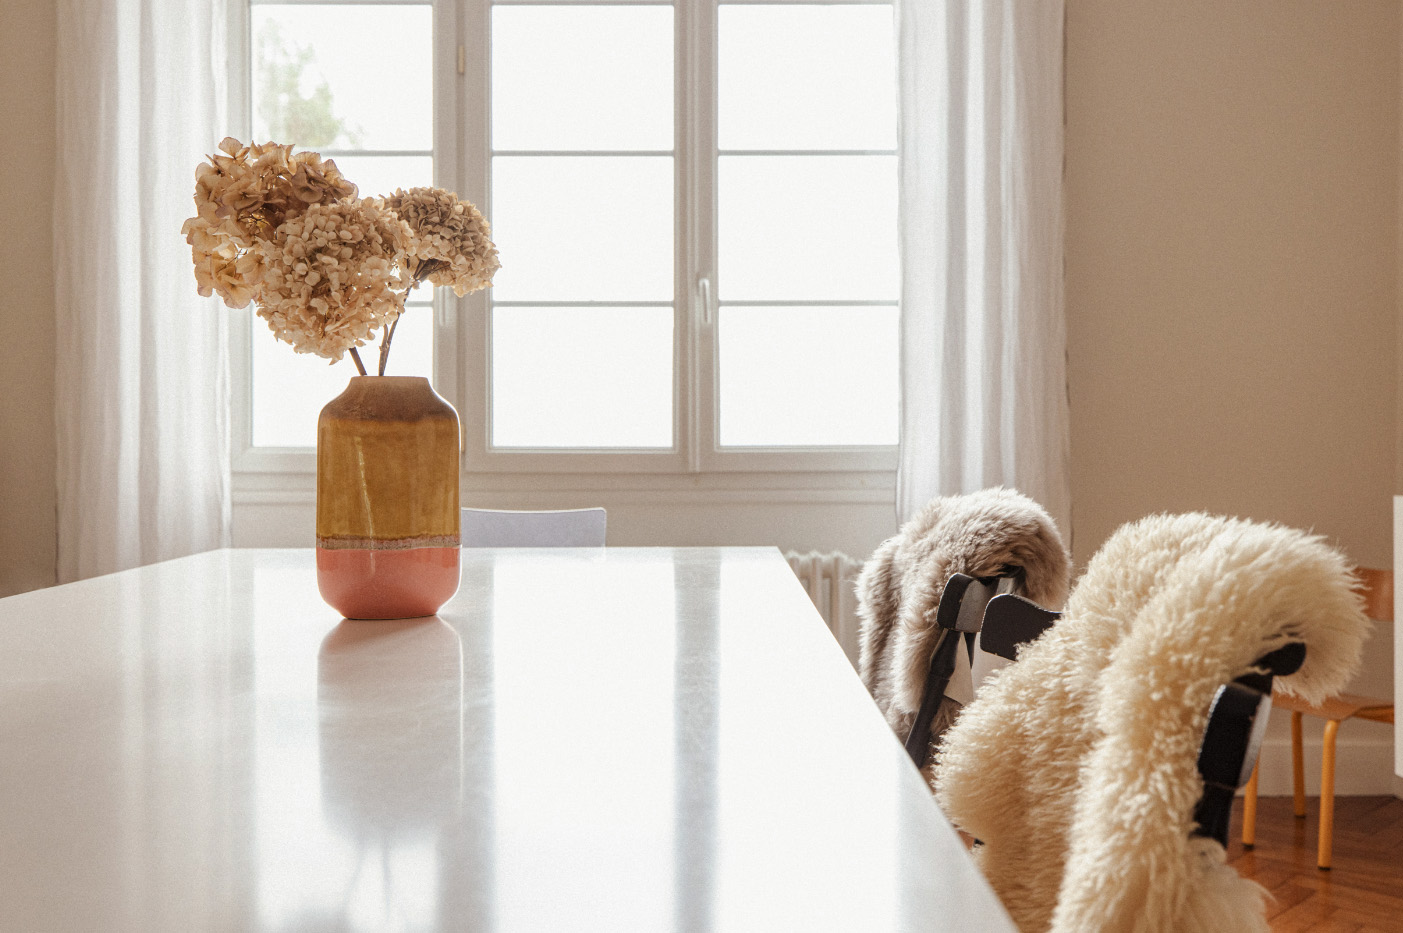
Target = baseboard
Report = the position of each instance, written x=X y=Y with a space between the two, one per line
x=1363 y=767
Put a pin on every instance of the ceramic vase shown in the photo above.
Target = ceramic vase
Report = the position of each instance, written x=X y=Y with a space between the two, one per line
x=387 y=499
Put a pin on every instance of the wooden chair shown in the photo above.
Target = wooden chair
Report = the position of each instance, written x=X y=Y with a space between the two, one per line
x=508 y=528
x=963 y=605
x=1378 y=598
x=1237 y=719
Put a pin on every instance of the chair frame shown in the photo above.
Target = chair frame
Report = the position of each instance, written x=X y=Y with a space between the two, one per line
x=1377 y=590
x=1334 y=711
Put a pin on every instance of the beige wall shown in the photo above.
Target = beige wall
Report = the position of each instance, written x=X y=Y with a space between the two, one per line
x=1232 y=175
x=27 y=523
x=1232 y=265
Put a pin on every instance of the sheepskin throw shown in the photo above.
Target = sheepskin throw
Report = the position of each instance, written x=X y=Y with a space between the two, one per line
x=1077 y=766
x=988 y=533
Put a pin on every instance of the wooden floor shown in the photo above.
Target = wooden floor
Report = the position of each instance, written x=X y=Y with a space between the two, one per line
x=1361 y=893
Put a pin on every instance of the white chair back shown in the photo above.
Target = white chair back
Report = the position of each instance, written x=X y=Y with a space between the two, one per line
x=505 y=528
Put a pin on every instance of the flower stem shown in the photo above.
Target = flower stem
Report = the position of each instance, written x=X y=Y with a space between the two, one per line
x=385 y=344
x=419 y=272
x=359 y=365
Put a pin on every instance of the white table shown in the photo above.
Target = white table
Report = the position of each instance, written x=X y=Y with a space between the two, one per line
x=612 y=740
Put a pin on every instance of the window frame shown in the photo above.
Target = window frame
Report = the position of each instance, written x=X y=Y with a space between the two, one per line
x=462 y=339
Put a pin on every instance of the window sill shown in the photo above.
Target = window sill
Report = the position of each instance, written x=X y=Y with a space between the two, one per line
x=551 y=490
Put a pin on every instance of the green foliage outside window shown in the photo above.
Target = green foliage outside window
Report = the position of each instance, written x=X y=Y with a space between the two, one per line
x=293 y=97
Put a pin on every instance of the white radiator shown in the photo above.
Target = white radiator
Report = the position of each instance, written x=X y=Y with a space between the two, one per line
x=830 y=580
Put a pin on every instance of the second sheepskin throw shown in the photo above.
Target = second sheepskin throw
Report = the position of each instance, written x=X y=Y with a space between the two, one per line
x=1077 y=766
x=988 y=533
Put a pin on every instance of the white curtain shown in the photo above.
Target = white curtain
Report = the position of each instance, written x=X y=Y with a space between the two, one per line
x=142 y=409
x=984 y=399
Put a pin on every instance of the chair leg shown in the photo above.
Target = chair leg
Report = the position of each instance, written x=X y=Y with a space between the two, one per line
x=1327 y=795
x=1298 y=766
x=1249 y=809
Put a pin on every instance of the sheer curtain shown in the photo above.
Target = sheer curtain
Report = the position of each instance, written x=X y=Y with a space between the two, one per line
x=984 y=398
x=141 y=381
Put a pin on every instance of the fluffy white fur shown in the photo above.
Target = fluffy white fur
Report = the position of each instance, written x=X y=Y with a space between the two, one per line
x=982 y=534
x=1077 y=766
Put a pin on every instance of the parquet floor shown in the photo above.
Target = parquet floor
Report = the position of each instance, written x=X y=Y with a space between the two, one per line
x=1361 y=893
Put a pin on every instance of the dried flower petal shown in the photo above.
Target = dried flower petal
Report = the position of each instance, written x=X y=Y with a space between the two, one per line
x=241 y=197
x=285 y=231
x=330 y=279
x=449 y=239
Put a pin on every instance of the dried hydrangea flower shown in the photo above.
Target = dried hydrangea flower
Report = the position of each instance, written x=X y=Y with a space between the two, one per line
x=449 y=240
x=241 y=197
x=330 y=277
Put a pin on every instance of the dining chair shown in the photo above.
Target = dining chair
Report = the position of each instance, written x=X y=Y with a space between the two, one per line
x=1081 y=768
x=1377 y=586
x=1237 y=718
x=989 y=535
x=512 y=528
x=983 y=615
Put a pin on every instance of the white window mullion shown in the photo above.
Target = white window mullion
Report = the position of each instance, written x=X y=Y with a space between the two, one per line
x=702 y=107
x=696 y=147
x=683 y=265
x=449 y=310
x=471 y=122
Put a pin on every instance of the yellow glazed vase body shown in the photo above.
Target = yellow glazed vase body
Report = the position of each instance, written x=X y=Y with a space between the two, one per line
x=387 y=499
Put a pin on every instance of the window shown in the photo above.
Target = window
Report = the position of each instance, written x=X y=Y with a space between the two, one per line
x=694 y=203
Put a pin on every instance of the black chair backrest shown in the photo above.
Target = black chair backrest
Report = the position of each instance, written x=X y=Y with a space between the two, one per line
x=963 y=611
x=1231 y=741
x=1010 y=621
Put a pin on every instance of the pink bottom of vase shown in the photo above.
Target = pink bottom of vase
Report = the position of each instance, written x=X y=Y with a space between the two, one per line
x=361 y=583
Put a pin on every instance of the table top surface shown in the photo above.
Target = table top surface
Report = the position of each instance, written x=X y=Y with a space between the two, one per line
x=613 y=739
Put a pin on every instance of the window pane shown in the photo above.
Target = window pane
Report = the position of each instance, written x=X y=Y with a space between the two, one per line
x=583 y=228
x=581 y=377
x=381 y=175
x=344 y=76
x=807 y=227
x=289 y=389
x=806 y=77
x=582 y=77
x=808 y=376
